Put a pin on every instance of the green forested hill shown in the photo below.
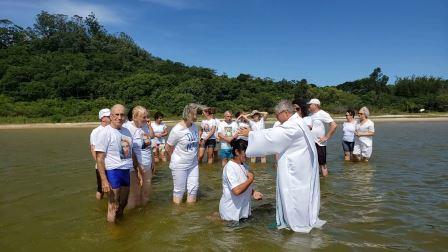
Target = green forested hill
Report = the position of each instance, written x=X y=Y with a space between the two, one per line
x=67 y=68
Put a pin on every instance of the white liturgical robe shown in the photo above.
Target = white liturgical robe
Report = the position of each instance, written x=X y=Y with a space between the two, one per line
x=298 y=187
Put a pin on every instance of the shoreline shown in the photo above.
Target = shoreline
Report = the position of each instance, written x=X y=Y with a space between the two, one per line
x=338 y=119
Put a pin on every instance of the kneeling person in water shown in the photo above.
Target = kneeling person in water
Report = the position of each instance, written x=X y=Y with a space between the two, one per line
x=237 y=185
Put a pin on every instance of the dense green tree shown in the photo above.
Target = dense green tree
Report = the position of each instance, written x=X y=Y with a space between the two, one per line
x=66 y=68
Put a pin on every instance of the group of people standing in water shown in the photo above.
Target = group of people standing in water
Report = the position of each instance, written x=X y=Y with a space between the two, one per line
x=126 y=150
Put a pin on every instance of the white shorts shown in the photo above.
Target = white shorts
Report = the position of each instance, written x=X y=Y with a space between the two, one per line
x=185 y=180
x=362 y=149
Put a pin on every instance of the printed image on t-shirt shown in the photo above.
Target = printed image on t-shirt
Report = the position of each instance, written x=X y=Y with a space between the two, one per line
x=125 y=150
x=146 y=141
x=228 y=131
x=193 y=139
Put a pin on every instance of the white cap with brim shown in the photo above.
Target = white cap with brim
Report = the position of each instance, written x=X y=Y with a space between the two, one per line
x=254 y=112
x=314 y=101
x=104 y=112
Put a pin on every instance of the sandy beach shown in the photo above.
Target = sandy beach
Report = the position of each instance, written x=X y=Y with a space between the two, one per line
x=338 y=119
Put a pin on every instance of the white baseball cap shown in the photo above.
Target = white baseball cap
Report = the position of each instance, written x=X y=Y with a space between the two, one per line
x=104 y=112
x=314 y=101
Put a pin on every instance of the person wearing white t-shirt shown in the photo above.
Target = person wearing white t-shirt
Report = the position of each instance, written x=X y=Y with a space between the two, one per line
x=160 y=131
x=227 y=131
x=217 y=122
x=243 y=122
x=104 y=116
x=320 y=118
x=182 y=150
x=237 y=188
x=207 y=134
x=114 y=159
x=256 y=121
x=142 y=149
x=365 y=130
x=348 y=135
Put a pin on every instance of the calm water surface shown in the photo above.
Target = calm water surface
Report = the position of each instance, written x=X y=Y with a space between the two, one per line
x=399 y=200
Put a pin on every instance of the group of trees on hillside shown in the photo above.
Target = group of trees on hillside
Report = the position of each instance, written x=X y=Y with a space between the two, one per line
x=69 y=67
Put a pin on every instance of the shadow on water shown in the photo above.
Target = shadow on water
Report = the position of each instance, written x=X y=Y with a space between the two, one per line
x=398 y=200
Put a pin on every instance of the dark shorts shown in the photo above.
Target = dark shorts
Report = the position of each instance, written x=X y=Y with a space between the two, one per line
x=210 y=143
x=321 y=154
x=348 y=146
x=226 y=153
x=118 y=178
x=99 y=187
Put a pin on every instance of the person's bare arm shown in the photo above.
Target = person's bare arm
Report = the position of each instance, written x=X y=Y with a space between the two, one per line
x=164 y=133
x=211 y=133
x=226 y=138
x=264 y=115
x=93 y=152
x=169 y=150
x=239 y=189
x=138 y=169
x=257 y=195
x=331 y=131
x=101 y=166
x=151 y=131
x=368 y=133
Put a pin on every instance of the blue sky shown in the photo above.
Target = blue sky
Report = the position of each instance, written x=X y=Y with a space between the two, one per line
x=326 y=42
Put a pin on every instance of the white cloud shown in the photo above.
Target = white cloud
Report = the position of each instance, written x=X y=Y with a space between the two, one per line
x=179 y=4
x=104 y=14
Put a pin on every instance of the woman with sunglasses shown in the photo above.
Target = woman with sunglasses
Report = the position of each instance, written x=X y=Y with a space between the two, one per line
x=348 y=138
x=364 y=132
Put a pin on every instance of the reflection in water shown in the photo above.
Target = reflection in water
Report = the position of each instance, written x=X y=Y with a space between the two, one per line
x=398 y=200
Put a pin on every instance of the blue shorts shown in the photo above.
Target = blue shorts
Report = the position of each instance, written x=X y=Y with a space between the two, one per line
x=226 y=153
x=348 y=146
x=118 y=178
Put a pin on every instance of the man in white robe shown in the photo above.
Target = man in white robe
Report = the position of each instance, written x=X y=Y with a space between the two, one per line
x=298 y=187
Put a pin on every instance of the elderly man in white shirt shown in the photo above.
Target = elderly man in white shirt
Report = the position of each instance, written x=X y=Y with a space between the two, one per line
x=298 y=188
x=318 y=120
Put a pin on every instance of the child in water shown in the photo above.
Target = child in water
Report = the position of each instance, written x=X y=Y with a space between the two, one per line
x=237 y=185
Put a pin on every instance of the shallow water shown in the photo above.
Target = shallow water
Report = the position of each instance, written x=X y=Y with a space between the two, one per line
x=399 y=200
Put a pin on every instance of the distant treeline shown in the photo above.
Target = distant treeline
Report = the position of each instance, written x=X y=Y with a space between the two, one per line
x=67 y=68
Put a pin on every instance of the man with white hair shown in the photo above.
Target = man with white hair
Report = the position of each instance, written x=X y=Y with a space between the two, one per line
x=318 y=120
x=298 y=188
x=104 y=116
x=227 y=133
x=114 y=161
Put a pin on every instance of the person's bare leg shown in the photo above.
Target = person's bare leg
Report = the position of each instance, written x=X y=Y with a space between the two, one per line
x=224 y=162
x=215 y=153
x=146 y=189
x=324 y=169
x=162 y=153
x=201 y=154
x=191 y=199
x=263 y=160
x=156 y=154
x=177 y=200
x=347 y=156
x=133 y=191
x=122 y=200
x=112 y=205
x=210 y=155
x=99 y=195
